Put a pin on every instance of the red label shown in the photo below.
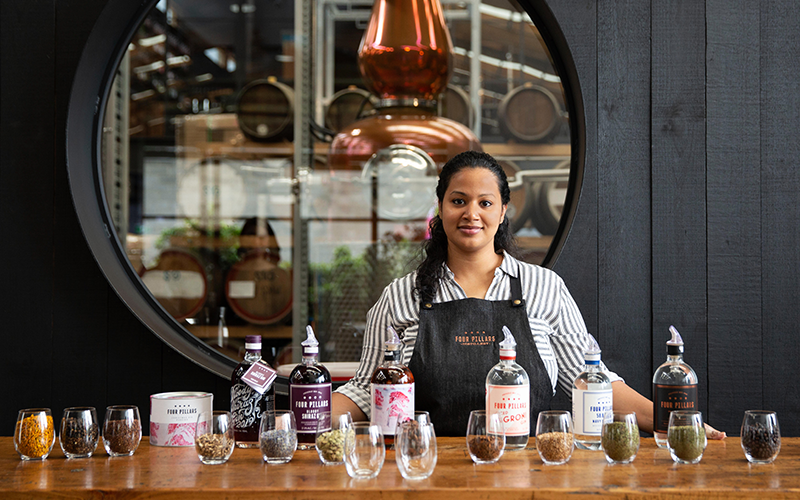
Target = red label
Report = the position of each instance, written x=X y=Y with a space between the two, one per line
x=259 y=376
x=669 y=398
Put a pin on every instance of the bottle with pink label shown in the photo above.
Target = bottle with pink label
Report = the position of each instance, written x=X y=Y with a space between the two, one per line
x=508 y=394
x=309 y=391
x=391 y=389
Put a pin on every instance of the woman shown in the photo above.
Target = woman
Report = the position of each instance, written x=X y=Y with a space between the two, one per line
x=449 y=313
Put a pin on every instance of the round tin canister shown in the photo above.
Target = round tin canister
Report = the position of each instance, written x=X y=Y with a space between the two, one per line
x=173 y=416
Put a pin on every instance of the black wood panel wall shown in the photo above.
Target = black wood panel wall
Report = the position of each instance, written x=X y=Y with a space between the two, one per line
x=689 y=213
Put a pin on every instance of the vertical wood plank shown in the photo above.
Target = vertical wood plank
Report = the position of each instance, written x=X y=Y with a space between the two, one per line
x=80 y=320
x=623 y=172
x=577 y=263
x=734 y=211
x=27 y=143
x=780 y=209
x=678 y=181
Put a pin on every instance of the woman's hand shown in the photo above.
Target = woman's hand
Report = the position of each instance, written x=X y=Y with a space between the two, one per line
x=712 y=433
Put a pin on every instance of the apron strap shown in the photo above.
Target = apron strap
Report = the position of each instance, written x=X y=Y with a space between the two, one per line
x=516 y=292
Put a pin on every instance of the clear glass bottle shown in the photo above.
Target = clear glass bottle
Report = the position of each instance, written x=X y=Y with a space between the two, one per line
x=592 y=397
x=247 y=404
x=508 y=393
x=391 y=389
x=309 y=391
x=674 y=388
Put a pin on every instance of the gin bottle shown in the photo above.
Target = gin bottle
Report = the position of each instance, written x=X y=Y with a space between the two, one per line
x=591 y=399
x=674 y=388
x=391 y=389
x=309 y=391
x=247 y=404
x=508 y=393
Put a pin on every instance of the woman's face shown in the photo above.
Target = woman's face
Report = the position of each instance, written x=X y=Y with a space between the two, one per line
x=471 y=211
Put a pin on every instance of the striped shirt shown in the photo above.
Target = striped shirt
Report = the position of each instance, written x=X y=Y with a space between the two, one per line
x=555 y=320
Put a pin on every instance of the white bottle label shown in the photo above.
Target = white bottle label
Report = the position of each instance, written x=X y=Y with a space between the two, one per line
x=512 y=402
x=588 y=408
x=390 y=403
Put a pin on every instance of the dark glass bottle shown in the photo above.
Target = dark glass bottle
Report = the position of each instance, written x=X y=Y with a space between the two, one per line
x=309 y=391
x=391 y=389
x=247 y=404
x=674 y=388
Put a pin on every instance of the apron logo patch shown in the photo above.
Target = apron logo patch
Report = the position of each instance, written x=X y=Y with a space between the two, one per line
x=474 y=338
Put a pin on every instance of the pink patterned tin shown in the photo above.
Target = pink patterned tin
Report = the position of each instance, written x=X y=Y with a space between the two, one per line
x=173 y=416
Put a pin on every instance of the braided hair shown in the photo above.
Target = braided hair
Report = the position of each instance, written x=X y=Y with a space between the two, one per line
x=431 y=271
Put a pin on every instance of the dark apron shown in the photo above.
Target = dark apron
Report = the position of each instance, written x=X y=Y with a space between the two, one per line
x=457 y=344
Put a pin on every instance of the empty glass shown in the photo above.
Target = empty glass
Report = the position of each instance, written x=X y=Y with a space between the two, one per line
x=213 y=437
x=34 y=434
x=686 y=436
x=486 y=437
x=415 y=449
x=364 y=450
x=122 y=430
x=79 y=432
x=330 y=437
x=278 y=436
x=554 y=437
x=620 y=437
x=761 y=436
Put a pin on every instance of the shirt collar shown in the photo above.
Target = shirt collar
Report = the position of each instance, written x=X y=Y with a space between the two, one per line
x=509 y=266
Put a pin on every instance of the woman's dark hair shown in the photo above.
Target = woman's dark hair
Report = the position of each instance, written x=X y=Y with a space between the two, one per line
x=431 y=271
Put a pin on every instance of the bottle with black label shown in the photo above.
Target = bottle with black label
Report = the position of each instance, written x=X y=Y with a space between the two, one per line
x=247 y=404
x=309 y=391
x=674 y=388
x=392 y=389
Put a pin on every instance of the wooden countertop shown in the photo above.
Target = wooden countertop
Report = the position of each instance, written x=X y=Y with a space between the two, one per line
x=155 y=472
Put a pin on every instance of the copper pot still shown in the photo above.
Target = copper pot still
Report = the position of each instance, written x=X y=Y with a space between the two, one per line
x=405 y=59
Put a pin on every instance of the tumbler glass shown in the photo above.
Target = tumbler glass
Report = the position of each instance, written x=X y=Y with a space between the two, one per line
x=278 y=436
x=554 y=437
x=34 y=434
x=761 y=436
x=122 y=430
x=79 y=433
x=415 y=449
x=213 y=437
x=486 y=437
x=686 y=436
x=620 y=437
x=330 y=437
x=364 y=451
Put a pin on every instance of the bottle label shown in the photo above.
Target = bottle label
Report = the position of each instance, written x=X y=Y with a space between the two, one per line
x=391 y=403
x=667 y=398
x=259 y=376
x=512 y=402
x=588 y=408
x=306 y=401
x=245 y=406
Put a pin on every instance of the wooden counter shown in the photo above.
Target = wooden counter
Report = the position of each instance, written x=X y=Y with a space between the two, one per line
x=155 y=472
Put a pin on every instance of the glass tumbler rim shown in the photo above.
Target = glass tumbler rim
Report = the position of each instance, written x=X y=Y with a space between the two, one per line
x=36 y=410
x=761 y=412
x=80 y=408
x=122 y=407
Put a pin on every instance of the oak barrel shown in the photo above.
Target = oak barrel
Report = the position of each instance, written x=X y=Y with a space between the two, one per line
x=265 y=110
x=529 y=113
x=548 y=202
x=348 y=106
x=257 y=289
x=178 y=282
x=455 y=104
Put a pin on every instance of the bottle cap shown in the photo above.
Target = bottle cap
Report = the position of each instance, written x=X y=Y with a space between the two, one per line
x=394 y=343
x=592 y=351
x=310 y=344
x=508 y=347
x=675 y=343
x=252 y=342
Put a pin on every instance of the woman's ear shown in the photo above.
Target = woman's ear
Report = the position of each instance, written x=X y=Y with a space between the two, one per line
x=503 y=213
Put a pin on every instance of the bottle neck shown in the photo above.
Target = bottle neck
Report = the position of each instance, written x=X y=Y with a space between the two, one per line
x=675 y=358
x=591 y=366
x=310 y=358
x=252 y=356
x=391 y=358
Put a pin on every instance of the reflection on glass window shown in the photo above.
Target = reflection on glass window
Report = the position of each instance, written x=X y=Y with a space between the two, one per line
x=198 y=153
